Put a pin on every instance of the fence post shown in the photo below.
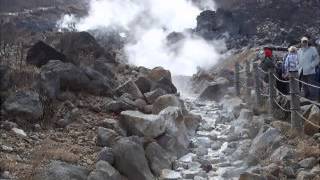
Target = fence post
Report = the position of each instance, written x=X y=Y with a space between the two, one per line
x=257 y=84
x=272 y=91
x=296 y=122
x=248 y=77
x=237 y=78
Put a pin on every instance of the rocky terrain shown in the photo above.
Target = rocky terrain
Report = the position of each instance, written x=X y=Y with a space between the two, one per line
x=72 y=109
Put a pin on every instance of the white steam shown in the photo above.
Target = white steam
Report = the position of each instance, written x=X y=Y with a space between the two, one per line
x=149 y=22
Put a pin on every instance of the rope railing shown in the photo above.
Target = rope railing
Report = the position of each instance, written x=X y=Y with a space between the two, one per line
x=280 y=80
x=309 y=100
x=305 y=119
x=266 y=88
x=282 y=108
x=305 y=83
x=279 y=92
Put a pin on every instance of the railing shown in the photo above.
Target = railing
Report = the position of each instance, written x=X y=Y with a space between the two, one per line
x=269 y=90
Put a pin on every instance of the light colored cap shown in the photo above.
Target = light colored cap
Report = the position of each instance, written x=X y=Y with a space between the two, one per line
x=304 y=39
x=292 y=49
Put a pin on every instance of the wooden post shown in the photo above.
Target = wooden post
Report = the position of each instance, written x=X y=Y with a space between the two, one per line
x=237 y=78
x=296 y=121
x=272 y=91
x=257 y=84
x=248 y=77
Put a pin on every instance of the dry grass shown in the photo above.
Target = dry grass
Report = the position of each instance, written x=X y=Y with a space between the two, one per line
x=51 y=150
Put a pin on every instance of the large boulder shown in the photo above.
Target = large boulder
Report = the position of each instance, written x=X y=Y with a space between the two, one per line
x=165 y=101
x=77 y=44
x=131 y=88
x=158 y=158
x=41 y=53
x=119 y=105
x=313 y=115
x=148 y=125
x=165 y=84
x=104 y=68
x=62 y=171
x=130 y=160
x=56 y=76
x=98 y=84
x=215 y=91
x=104 y=171
x=265 y=143
x=24 y=105
x=144 y=84
x=153 y=95
x=176 y=140
x=158 y=73
x=212 y=24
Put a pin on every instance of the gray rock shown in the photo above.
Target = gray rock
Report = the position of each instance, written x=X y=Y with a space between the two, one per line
x=242 y=150
x=104 y=171
x=265 y=142
x=165 y=84
x=130 y=160
x=98 y=83
x=137 y=123
x=24 y=105
x=106 y=155
x=104 y=68
x=304 y=175
x=284 y=152
x=40 y=54
x=122 y=104
x=158 y=158
x=176 y=139
x=215 y=91
x=192 y=122
x=131 y=88
x=158 y=73
x=168 y=174
x=140 y=104
x=56 y=76
x=63 y=171
x=165 y=101
x=153 y=95
x=308 y=163
x=106 y=137
x=144 y=84
x=112 y=124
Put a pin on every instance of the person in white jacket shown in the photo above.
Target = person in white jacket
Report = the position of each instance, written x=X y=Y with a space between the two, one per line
x=308 y=60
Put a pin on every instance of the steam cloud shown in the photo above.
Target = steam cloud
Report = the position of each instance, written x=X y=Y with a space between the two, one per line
x=150 y=22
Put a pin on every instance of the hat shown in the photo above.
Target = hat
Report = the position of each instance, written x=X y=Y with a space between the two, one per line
x=304 y=39
x=292 y=49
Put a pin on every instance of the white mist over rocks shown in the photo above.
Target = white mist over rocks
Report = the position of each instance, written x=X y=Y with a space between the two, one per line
x=149 y=22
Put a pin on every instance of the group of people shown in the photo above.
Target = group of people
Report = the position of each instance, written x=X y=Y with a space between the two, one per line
x=304 y=60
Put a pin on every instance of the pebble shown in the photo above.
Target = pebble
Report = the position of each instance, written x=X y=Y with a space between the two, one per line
x=168 y=174
x=19 y=132
x=6 y=148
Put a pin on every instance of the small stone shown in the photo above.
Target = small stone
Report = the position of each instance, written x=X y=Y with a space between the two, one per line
x=6 y=148
x=19 y=132
x=308 y=163
x=168 y=174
